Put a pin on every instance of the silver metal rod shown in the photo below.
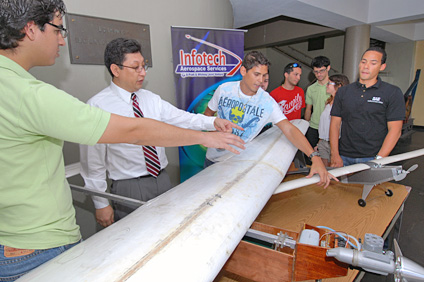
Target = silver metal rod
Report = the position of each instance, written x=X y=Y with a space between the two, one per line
x=116 y=198
x=262 y=236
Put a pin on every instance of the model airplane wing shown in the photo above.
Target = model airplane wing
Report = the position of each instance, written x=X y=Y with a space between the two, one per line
x=337 y=172
x=187 y=233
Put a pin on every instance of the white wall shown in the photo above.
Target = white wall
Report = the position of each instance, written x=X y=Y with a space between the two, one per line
x=418 y=106
x=83 y=81
x=333 y=49
x=400 y=62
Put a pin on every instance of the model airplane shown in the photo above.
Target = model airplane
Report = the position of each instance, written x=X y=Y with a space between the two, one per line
x=346 y=170
x=375 y=175
x=189 y=232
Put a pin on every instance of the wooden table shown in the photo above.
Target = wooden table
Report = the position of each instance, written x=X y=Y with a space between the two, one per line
x=335 y=207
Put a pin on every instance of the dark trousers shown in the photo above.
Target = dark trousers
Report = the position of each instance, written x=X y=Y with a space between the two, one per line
x=142 y=188
x=312 y=136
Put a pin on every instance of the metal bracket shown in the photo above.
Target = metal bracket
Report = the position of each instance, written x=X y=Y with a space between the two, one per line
x=279 y=241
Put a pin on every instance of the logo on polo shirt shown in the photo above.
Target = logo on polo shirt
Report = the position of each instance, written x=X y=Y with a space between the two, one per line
x=376 y=100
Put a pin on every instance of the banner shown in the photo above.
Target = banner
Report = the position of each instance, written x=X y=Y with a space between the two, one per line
x=203 y=60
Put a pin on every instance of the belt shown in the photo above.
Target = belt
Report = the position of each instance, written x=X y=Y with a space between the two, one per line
x=148 y=175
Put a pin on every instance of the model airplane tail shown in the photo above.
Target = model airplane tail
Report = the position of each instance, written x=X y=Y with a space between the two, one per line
x=187 y=233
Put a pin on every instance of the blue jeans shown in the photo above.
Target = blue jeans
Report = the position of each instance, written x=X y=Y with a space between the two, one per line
x=11 y=268
x=350 y=161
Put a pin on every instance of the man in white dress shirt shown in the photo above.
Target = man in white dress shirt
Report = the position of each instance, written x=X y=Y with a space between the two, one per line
x=125 y=163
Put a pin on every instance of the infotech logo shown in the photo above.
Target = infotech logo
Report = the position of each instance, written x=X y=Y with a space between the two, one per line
x=194 y=64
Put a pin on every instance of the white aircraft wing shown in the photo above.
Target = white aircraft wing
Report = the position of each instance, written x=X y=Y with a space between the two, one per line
x=187 y=233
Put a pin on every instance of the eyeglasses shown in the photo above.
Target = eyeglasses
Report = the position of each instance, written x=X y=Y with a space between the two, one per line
x=63 y=31
x=138 y=69
x=320 y=71
x=332 y=83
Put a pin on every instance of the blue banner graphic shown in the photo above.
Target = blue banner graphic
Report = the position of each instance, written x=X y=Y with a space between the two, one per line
x=203 y=60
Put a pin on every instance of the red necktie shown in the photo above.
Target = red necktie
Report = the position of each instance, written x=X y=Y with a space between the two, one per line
x=150 y=153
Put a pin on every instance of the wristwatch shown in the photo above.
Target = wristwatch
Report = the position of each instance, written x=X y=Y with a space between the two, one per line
x=378 y=157
x=315 y=153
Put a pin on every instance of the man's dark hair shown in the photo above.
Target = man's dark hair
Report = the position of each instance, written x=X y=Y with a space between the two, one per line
x=320 y=61
x=379 y=50
x=15 y=14
x=117 y=49
x=289 y=68
x=254 y=58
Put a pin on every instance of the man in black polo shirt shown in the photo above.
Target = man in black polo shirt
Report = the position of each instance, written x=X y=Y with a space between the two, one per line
x=370 y=113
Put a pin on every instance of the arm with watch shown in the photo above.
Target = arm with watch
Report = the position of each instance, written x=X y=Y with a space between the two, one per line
x=299 y=140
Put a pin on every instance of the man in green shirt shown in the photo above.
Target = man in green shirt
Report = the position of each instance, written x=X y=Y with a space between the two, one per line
x=316 y=96
x=37 y=217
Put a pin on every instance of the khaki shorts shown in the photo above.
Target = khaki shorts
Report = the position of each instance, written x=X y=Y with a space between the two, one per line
x=324 y=149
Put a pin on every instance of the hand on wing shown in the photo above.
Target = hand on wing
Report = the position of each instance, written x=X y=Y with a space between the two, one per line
x=319 y=168
x=105 y=216
x=224 y=125
x=223 y=141
x=336 y=161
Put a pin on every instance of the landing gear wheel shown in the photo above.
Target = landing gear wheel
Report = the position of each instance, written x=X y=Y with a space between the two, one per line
x=362 y=202
x=389 y=193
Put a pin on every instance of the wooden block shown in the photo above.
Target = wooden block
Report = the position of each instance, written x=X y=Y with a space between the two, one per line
x=311 y=263
x=259 y=263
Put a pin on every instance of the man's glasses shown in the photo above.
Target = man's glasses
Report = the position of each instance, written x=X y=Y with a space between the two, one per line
x=138 y=69
x=320 y=71
x=332 y=83
x=63 y=31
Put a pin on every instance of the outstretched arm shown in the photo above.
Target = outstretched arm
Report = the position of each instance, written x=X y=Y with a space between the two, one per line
x=299 y=140
x=144 y=131
x=224 y=125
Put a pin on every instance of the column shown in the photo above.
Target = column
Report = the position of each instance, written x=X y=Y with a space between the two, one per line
x=357 y=40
